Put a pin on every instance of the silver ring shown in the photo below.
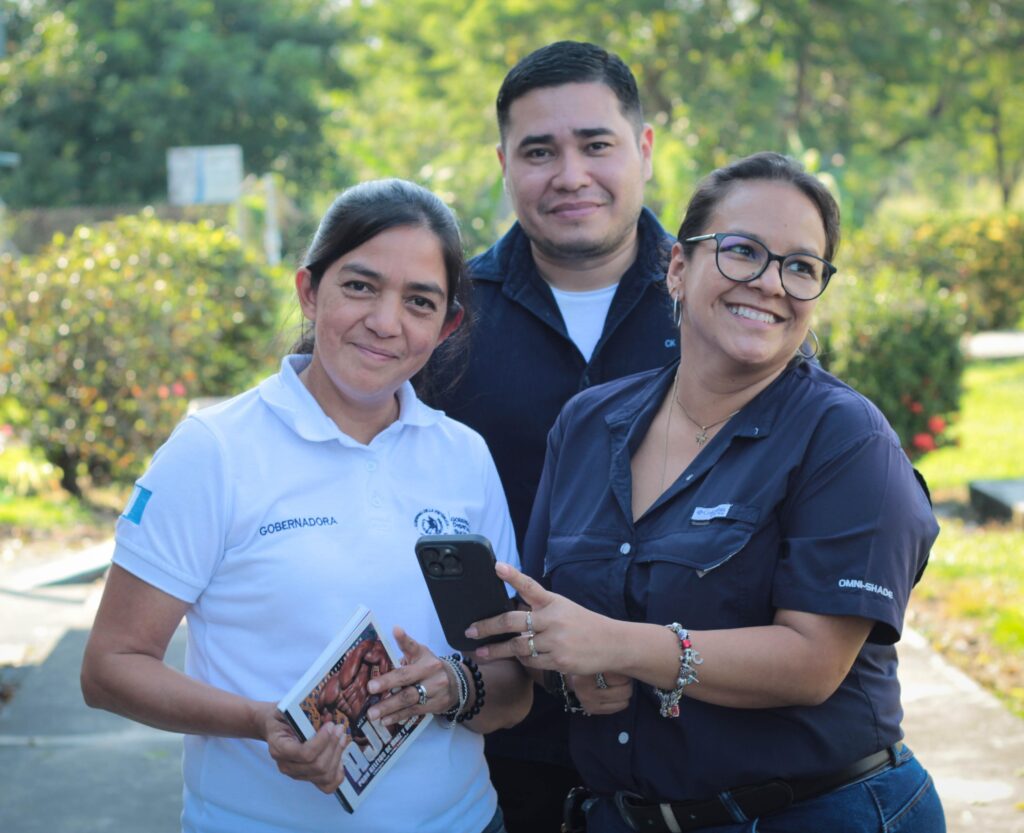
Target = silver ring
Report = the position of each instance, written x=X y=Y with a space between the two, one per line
x=422 y=692
x=602 y=683
x=533 y=648
x=529 y=621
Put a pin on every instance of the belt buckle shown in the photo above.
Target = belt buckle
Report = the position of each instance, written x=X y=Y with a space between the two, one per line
x=574 y=818
x=625 y=811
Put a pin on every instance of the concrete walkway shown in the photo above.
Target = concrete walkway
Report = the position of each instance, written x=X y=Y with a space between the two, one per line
x=65 y=768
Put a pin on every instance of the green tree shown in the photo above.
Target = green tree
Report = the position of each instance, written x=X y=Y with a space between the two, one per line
x=93 y=92
x=876 y=91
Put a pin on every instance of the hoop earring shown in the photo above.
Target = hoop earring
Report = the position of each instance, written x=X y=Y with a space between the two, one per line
x=817 y=345
x=677 y=313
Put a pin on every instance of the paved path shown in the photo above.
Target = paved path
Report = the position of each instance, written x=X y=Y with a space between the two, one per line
x=70 y=769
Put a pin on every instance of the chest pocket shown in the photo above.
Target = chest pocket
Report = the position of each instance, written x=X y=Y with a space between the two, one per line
x=706 y=541
x=696 y=574
x=589 y=568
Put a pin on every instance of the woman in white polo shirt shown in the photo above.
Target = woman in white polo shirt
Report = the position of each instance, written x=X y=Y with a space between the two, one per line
x=266 y=520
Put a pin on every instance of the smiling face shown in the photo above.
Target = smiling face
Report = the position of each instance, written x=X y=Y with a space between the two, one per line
x=378 y=313
x=751 y=326
x=575 y=170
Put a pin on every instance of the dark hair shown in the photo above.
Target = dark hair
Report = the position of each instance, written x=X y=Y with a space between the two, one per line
x=769 y=166
x=362 y=212
x=570 y=62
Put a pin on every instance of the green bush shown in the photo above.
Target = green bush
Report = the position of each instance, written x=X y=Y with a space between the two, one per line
x=981 y=256
x=110 y=331
x=896 y=339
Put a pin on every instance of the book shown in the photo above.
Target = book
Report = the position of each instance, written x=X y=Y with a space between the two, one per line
x=334 y=689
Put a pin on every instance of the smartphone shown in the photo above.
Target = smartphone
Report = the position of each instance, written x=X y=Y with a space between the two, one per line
x=459 y=571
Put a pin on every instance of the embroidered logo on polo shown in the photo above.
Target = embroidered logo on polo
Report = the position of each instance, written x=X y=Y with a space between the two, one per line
x=297 y=523
x=436 y=522
x=857 y=584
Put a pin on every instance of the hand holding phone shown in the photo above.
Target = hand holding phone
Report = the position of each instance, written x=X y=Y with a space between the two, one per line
x=459 y=571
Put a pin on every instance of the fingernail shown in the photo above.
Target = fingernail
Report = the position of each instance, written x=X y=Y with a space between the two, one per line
x=471 y=632
x=373 y=686
x=373 y=714
x=482 y=653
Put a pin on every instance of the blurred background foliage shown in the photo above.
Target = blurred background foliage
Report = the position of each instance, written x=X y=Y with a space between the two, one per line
x=111 y=331
x=912 y=111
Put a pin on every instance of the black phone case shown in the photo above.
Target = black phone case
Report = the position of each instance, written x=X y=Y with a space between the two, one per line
x=459 y=571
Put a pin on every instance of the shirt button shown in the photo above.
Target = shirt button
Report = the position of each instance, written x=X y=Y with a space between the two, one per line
x=623 y=737
x=625 y=548
x=371 y=466
x=375 y=501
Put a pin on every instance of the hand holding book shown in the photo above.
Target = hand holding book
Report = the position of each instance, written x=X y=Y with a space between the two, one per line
x=318 y=760
x=420 y=667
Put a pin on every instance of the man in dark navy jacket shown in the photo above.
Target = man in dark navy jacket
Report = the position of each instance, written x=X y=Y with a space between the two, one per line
x=570 y=297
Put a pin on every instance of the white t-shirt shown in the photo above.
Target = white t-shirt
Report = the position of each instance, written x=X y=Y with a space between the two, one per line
x=275 y=526
x=584 y=314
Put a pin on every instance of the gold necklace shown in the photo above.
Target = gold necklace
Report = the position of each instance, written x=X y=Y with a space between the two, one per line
x=668 y=432
x=702 y=435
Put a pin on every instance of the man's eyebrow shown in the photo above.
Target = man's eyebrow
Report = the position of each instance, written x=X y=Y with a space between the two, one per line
x=579 y=133
x=537 y=139
x=591 y=132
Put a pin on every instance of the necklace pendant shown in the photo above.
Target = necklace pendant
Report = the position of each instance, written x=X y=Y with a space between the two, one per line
x=701 y=438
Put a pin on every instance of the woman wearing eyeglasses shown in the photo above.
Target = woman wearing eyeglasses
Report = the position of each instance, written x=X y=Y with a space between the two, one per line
x=723 y=552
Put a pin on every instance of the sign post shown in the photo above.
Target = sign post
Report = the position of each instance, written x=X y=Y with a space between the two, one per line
x=204 y=175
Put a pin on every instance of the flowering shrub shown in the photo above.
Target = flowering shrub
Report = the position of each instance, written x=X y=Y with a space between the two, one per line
x=979 y=256
x=895 y=338
x=109 y=332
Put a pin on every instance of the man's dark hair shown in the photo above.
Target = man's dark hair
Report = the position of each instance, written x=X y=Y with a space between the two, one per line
x=570 y=62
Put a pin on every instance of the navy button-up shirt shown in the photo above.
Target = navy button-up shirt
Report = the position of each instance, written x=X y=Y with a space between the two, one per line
x=802 y=501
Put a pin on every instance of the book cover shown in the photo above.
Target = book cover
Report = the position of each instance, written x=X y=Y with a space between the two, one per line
x=334 y=690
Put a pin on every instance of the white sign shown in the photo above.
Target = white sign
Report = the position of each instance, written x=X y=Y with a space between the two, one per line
x=204 y=175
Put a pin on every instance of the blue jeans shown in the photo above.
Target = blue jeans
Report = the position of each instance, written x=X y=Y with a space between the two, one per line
x=901 y=799
x=496 y=824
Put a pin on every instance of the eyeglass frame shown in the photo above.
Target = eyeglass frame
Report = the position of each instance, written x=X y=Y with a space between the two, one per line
x=772 y=257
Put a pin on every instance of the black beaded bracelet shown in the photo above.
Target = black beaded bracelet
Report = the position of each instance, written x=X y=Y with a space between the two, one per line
x=478 y=685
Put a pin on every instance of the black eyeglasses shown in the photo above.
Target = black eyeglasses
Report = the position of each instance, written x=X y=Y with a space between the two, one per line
x=743 y=259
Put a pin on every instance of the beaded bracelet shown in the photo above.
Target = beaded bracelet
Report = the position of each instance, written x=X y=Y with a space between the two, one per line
x=688 y=658
x=454 y=662
x=478 y=685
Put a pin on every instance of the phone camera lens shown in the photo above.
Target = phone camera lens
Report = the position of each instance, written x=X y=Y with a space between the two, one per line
x=435 y=568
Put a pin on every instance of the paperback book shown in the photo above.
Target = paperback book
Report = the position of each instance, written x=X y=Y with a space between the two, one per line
x=334 y=690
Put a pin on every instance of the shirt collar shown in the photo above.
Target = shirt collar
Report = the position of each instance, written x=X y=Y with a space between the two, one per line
x=286 y=395
x=633 y=417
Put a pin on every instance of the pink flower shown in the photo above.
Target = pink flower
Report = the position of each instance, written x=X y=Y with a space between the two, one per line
x=916 y=407
x=936 y=424
x=178 y=389
x=163 y=392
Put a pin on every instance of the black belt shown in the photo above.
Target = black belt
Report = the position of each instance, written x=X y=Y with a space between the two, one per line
x=753 y=801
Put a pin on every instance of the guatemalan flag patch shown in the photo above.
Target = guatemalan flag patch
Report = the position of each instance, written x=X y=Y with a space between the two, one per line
x=137 y=504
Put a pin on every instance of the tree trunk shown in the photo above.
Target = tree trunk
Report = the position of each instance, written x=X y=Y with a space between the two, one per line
x=67 y=462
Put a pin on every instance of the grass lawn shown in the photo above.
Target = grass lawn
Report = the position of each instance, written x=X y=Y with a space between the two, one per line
x=969 y=602
x=989 y=431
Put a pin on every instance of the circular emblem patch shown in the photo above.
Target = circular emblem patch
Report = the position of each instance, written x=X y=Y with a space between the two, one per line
x=432 y=522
